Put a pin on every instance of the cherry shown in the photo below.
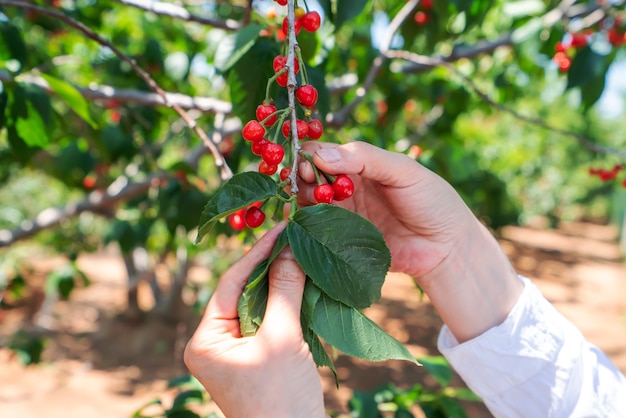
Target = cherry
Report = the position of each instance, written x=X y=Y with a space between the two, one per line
x=89 y=182
x=615 y=37
x=280 y=62
x=420 y=18
x=311 y=21
x=236 y=220
x=263 y=111
x=323 y=193
x=579 y=40
x=253 y=131
x=297 y=25
x=254 y=217
x=307 y=95
x=266 y=168
x=559 y=47
x=281 y=2
x=426 y=4
x=283 y=79
x=273 y=153
x=257 y=147
x=299 y=12
x=343 y=187
x=302 y=127
x=315 y=129
x=284 y=173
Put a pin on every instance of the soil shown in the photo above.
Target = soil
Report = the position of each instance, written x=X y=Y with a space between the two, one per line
x=99 y=364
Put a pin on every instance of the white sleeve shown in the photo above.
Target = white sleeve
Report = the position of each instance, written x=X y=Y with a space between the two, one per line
x=537 y=364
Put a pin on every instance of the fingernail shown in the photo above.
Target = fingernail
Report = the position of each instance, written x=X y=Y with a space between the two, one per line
x=328 y=155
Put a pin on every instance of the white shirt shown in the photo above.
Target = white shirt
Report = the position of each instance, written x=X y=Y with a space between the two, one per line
x=537 y=364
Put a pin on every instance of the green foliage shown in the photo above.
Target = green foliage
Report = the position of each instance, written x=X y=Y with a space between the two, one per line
x=389 y=400
x=27 y=347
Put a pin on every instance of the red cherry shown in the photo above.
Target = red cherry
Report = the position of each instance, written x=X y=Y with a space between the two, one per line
x=266 y=168
x=303 y=129
x=236 y=220
x=281 y=2
x=281 y=61
x=343 y=187
x=421 y=18
x=323 y=193
x=264 y=111
x=283 y=79
x=254 y=217
x=615 y=37
x=307 y=95
x=253 y=131
x=273 y=153
x=315 y=129
x=559 y=47
x=257 y=147
x=311 y=21
x=579 y=40
x=89 y=182
x=426 y=4
x=286 y=128
x=284 y=173
x=297 y=25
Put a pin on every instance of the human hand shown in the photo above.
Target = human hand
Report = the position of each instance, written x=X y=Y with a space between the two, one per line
x=419 y=214
x=271 y=374
x=431 y=233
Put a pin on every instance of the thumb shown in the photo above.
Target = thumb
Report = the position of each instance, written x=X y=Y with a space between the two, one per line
x=370 y=162
x=284 y=300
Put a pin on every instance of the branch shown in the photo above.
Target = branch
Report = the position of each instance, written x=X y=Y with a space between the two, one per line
x=436 y=62
x=178 y=12
x=96 y=201
x=339 y=118
x=144 y=98
x=291 y=89
x=220 y=162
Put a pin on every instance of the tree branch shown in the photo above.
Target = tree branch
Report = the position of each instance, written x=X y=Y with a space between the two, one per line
x=220 y=162
x=96 y=201
x=339 y=118
x=144 y=98
x=178 y=12
x=436 y=62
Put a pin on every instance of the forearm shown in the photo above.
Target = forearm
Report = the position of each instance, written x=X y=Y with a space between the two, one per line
x=475 y=287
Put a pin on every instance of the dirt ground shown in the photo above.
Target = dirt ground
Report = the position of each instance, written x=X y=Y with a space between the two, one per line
x=98 y=365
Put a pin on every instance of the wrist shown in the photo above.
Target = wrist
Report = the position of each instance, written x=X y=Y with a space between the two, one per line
x=475 y=287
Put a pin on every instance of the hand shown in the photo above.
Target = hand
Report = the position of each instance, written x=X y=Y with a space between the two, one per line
x=419 y=214
x=271 y=374
x=433 y=236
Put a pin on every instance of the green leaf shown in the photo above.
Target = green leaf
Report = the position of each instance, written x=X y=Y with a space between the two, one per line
x=240 y=191
x=188 y=397
x=463 y=394
x=61 y=282
x=309 y=300
x=587 y=65
x=247 y=79
x=12 y=45
x=72 y=97
x=32 y=128
x=452 y=408
x=347 y=10
x=344 y=254
x=438 y=367
x=253 y=300
x=233 y=47
x=351 y=332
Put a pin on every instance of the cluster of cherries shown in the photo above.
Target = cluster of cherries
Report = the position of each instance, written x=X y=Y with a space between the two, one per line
x=422 y=16
x=271 y=121
x=608 y=175
x=565 y=49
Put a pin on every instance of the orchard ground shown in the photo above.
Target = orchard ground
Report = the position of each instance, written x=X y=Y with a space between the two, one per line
x=98 y=365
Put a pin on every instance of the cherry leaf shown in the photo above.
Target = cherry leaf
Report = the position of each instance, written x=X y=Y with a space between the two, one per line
x=344 y=254
x=241 y=190
x=350 y=331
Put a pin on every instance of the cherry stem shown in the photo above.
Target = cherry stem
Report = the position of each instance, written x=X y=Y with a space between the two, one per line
x=268 y=88
x=279 y=124
x=304 y=75
x=309 y=158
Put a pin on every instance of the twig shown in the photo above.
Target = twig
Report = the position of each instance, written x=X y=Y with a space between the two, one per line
x=178 y=12
x=436 y=62
x=339 y=118
x=96 y=201
x=140 y=97
x=220 y=162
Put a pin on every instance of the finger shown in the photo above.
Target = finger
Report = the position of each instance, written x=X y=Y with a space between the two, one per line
x=284 y=300
x=305 y=170
x=223 y=303
x=385 y=167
